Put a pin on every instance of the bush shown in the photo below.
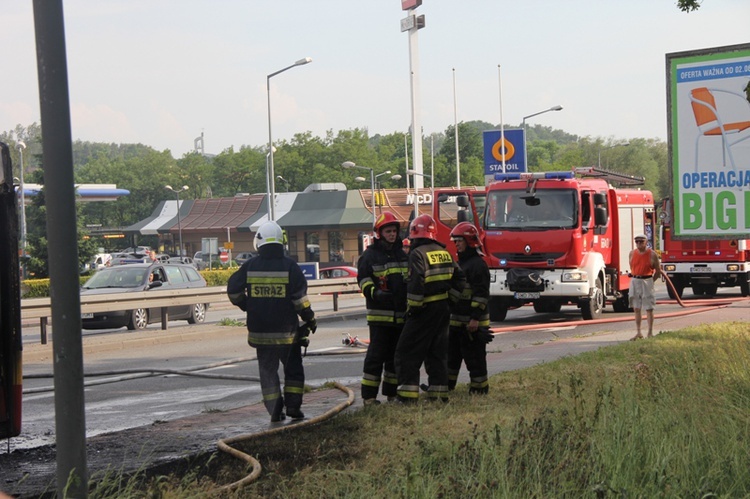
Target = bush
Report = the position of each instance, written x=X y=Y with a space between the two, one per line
x=39 y=288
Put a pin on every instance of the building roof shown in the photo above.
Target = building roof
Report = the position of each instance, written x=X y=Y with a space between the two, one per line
x=293 y=210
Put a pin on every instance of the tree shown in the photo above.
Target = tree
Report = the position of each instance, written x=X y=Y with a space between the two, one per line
x=689 y=5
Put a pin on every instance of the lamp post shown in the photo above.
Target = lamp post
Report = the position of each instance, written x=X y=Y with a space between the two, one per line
x=21 y=146
x=272 y=180
x=432 y=179
x=179 y=222
x=351 y=164
x=377 y=184
x=279 y=177
x=525 y=149
x=599 y=159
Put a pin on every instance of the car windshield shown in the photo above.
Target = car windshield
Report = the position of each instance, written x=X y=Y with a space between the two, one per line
x=117 y=277
x=509 y=210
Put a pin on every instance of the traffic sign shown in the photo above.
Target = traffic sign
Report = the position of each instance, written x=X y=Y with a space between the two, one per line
x=224 y=257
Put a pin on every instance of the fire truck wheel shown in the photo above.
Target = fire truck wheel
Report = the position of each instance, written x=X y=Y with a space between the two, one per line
x=745 y=288
x=592 y=308
x=498 y=310
x=711 y=289
x=622 y=304
x=677 y=293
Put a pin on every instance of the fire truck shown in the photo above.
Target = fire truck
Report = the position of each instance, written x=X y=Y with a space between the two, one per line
x=10 y=304
x=553 y=238
x=702 y=264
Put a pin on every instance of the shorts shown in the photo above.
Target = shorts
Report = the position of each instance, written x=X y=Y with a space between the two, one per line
x=641 y=294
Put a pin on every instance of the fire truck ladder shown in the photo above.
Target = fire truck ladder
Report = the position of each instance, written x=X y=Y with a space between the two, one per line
x=612 y=177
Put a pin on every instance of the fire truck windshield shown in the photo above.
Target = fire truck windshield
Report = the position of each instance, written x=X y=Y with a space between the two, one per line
x=543 y=210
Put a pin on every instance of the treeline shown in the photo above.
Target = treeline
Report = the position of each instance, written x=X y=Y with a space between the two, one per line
x=308 y=159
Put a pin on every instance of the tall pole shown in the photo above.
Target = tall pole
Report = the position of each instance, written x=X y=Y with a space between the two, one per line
x=372 y=194
x=455 y=131
x=179 y=221
x=57 y=147
x=269 y=173
x=406 y=157
x=502 y=126
x=525 y=154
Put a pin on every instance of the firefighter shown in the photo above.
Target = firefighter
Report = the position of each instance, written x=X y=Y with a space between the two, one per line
x=406 y=244
x=272 y=289
x=381 y=272
x=470 y=317
x=433 y=280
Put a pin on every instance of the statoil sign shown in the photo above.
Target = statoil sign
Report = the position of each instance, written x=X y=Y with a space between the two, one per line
x=513 y=150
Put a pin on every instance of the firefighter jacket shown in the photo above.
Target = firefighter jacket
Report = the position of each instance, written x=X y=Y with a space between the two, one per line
x=382 y=269
x=433 y=275
x=476 y=293
x=272 y=289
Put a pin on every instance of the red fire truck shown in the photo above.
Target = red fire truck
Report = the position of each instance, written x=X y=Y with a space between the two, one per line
x=702 y=264
x=553 y=238
x=10 y=304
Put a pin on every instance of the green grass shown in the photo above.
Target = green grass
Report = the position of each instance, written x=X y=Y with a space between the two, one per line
x=664 y=417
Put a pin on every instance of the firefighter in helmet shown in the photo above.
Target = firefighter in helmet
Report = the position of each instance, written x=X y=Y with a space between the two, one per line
x=434 y=279
x=381 y=271
x=470 y=317
x=272 y=289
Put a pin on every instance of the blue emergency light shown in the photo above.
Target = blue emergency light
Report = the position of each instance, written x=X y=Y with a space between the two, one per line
x=535 y=175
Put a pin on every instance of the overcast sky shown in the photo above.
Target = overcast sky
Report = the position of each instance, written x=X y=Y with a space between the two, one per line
x=161 y=72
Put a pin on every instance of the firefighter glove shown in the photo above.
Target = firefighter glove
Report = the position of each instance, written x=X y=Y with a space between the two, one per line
x=484 y=334
x=383 y=297
x=310 y=326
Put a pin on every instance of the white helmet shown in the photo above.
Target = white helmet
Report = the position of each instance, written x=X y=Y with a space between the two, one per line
x=268 y=233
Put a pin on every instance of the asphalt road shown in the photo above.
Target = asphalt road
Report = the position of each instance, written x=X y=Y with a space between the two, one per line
x=123 y=391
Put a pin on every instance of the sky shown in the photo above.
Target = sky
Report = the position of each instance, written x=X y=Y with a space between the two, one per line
x=163 y=72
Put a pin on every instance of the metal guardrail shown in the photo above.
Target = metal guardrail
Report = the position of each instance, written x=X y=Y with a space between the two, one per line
x=41 y=308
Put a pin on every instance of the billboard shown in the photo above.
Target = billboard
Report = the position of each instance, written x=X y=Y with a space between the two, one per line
x=514 y=150
x=708 y=96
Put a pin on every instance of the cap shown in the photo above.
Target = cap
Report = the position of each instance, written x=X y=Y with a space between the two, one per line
x=641 y=236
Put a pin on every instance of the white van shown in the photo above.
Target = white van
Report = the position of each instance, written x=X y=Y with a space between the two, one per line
x=100 y=261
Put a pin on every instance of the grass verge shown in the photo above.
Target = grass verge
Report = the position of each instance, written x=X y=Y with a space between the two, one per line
x=666 y=417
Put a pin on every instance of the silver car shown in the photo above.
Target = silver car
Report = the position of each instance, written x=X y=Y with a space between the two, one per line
x=136 y=277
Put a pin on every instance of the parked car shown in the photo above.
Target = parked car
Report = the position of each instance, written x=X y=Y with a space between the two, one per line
x=99 y=261
x=243 y=257
x=201 y=261
x=137 y=277
x=337 y=272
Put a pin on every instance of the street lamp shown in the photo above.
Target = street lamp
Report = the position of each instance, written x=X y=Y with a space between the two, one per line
x=525 y=149
x=351 y=164
x=21 y=145
x=179 y=223
x=599 y=160
x=279 y=177
x=432 y=179
x=269 y=173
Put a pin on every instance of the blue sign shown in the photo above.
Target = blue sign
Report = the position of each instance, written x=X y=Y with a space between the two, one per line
x=309 y=269
x=514 y=150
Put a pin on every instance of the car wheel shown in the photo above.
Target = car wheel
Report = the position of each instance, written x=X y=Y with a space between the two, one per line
x=138 y=319
x=197 y=314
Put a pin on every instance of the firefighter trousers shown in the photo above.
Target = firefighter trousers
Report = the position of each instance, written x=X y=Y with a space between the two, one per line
x=290 y=356
x=424 y=340
x=462 y=347
x=379 y=363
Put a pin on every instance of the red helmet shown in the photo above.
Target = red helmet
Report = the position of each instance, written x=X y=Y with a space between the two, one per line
x=469 y=233
x=385 y=219
x=423 y=227
x=406 y=242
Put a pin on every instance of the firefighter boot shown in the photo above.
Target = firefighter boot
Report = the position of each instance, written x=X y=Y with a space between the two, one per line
x=295 y=413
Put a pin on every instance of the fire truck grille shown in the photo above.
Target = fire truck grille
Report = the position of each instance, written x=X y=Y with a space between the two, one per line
x=528 y=258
